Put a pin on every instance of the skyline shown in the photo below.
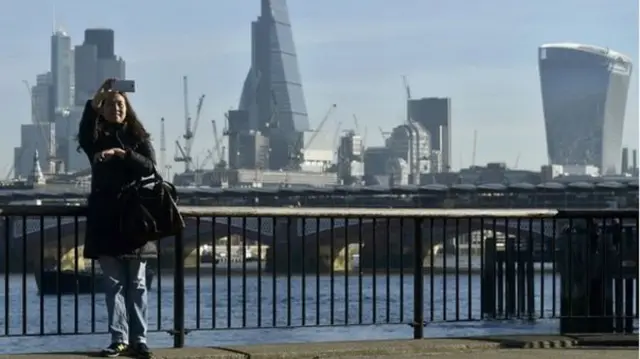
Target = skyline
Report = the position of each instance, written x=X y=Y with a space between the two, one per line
x=341 y=62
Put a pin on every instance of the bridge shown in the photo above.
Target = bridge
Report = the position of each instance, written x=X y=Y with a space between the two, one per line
x=332 y=236
x=599 y=190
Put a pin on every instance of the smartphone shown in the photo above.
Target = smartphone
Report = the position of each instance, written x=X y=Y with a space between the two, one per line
x=124 y=86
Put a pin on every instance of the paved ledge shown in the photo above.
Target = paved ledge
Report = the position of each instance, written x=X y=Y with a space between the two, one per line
x=381 y=348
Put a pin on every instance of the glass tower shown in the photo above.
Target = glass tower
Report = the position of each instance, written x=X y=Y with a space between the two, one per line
x=584 y=95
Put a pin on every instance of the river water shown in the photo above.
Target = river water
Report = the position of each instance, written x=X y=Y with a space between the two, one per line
x=235 y=304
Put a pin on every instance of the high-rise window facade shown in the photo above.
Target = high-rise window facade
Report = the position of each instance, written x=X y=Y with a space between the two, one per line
x=584 y=94
x=272 y=92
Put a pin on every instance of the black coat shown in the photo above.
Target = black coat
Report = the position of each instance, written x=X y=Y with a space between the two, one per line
x=102 y=237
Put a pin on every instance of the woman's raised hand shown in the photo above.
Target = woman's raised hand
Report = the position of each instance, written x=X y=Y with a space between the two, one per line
x=101 y=93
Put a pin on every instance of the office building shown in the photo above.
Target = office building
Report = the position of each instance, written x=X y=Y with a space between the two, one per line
x=66 y=125
x=625 y=160
x=584 y=94
x=412 y=143
x=272 y=94
x=634 y=162
x=350 y=165
x=62 y=69
x=103 y=40
x=375 y=161
x=248 y=148
x=94 y=62
x=111 y=68
x=434 y=114
x=85 y=65
x=41 y=101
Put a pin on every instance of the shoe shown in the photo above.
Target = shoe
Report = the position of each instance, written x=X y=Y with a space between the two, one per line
x=141 y=351
x=115 y=350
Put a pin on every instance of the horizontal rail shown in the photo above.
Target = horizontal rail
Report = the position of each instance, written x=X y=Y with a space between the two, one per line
x=417 y=268
x=363 y=212
x=246 y=211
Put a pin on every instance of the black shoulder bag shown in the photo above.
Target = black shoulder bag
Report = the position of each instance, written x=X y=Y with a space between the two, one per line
x=148 y=210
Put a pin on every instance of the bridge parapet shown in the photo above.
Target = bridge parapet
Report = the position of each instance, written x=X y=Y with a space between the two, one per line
x=303 y=226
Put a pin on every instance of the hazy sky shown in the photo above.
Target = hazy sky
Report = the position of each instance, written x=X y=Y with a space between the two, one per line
x=482 y=54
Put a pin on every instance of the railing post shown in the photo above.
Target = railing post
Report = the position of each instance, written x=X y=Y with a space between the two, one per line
x=586 y=283
x=489 y=278
x=418 y=281
x=178 y=293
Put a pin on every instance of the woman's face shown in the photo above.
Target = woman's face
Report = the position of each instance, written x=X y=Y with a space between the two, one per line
x=114 y=108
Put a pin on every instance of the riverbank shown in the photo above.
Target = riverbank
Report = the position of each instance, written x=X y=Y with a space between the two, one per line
x=453 y=347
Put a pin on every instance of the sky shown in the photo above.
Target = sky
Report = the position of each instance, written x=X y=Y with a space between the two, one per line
x=482 y=54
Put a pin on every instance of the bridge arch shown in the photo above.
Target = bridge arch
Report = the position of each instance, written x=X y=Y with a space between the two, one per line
x=307 y=231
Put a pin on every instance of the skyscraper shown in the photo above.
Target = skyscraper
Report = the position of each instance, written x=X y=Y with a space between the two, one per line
x=584 y=94
x=434 y=114
x=624 y=168
x=272 y=93
x=86 y=69
x=41 y=102
x=61 y=71
x=103 y=40
x=95 y=61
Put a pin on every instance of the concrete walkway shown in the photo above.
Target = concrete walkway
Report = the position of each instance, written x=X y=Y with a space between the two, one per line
x=570 y=353
x=538 y=347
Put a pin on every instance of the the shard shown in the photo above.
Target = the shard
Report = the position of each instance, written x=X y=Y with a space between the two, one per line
x=272 y=93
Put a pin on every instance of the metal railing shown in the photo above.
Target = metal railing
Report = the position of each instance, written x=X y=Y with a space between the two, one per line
x=261 y=267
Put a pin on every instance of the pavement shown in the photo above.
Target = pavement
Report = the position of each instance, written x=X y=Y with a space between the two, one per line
x=570 y=353
x=608 y=346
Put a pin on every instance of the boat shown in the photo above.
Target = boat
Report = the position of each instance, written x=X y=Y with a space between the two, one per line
x=52 y=281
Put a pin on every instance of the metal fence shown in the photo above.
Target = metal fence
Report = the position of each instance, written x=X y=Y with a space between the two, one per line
x=244 y=267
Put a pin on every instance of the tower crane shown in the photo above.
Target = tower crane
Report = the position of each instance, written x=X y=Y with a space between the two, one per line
x=163 y=147
x=407 y=90
x=216 y=139
x=183 y=153
x=219 y=151
x=298 y=158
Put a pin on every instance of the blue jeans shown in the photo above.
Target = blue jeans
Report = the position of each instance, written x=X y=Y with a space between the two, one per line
x=126 y=297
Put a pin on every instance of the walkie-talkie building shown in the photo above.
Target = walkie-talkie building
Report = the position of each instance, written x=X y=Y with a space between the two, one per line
x=584 y=96
x=272 y=93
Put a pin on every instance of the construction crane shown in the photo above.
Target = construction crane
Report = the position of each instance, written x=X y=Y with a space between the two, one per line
x=207 y=158
x=384 y=134
x=222 y=163
x=163 y=148
x=298 y=158
x=183 y=153
x=364 y=132
x=407 y=90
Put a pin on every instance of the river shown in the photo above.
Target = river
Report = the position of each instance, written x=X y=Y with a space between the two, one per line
x=380 y=305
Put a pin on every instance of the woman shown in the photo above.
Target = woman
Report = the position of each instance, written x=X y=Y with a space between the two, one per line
x=120 y=152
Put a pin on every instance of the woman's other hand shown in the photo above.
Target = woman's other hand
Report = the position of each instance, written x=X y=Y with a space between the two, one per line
x=107 y=154
x=119 y=152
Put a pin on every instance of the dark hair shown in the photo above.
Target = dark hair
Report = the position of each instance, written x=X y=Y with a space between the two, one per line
x=92 y=127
